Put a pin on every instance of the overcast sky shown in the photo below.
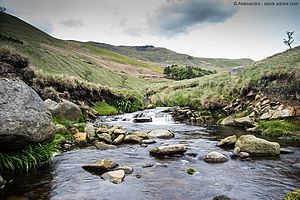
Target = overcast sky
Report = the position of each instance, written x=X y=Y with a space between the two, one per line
x=202 y=28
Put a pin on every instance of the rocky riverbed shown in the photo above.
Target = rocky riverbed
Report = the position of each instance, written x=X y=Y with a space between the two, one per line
x=162 y=177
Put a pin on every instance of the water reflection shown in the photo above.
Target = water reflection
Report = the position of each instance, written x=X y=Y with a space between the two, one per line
x=26 y=186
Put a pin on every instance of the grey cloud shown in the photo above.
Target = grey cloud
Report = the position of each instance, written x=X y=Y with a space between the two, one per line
x=72 y=23
x=177 y=16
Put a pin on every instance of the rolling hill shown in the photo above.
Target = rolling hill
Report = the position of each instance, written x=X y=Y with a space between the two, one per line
x=113 y=66
x=163 y=57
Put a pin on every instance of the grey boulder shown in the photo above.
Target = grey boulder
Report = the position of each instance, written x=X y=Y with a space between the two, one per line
x=257 y=146
x=64 y=110
x=24 y=118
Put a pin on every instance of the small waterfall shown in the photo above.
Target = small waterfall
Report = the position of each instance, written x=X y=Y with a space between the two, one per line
x=158 y=117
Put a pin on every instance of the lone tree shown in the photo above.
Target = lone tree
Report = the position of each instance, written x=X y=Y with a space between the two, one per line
x=290 y=39
x=2 y=9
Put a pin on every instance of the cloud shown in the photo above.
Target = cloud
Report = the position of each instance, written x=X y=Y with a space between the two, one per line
x=72 y=23
x=177 y=16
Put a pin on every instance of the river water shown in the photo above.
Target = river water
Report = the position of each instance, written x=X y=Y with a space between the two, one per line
x=64 y=179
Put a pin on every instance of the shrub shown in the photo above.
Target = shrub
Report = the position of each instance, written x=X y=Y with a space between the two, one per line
x=187 y=72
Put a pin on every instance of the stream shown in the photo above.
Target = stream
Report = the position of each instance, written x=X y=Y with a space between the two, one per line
x=64 y=179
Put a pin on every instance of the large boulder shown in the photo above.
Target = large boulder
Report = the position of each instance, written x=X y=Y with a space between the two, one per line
x=257 y=146
x=24 y=118
x=64 y=110
x=164 y=134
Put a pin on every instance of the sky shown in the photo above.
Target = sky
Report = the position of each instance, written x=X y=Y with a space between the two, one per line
x=201 y=28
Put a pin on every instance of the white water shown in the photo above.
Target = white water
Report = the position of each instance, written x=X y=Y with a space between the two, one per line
x=158 y=117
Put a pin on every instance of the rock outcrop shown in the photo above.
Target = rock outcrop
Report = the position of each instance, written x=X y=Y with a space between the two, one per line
x=24 y=118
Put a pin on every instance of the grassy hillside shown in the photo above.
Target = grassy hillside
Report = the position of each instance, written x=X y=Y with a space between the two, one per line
x=162 y=57
x=276 y=75
x=50 y=56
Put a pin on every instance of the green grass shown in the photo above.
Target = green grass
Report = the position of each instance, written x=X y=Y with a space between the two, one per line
x=73 y=65
x=121 y=59
x=69 y=124
x=104 y=108
x=277 y=128
x=51 y=56
x=223 y=87
x=31 y=157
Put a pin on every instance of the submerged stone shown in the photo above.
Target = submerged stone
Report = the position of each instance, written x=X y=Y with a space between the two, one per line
x=191 y=171
x=221 y=197
x=294 y=195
